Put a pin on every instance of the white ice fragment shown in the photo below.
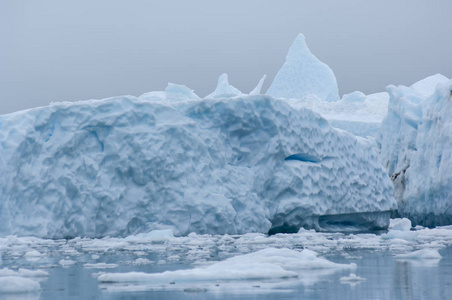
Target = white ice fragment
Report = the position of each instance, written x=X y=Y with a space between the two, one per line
x=33 y=255
x=100 y=266
x=352 y=279
x=423 y=254
x=32 y=273
x=303 y=74
x=269 y=263
x=224 y=89
x=403 y=224
x=142 y=261
x=258 y=88
x=178 y=92
x=17 y=285
x=23 y=273
x=66 y=262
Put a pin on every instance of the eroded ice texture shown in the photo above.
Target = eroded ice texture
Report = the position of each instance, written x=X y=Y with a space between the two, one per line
x=416 y=149
x=303 y=74
x=232 y=165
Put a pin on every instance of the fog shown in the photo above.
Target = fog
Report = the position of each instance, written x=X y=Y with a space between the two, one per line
x=66 y=51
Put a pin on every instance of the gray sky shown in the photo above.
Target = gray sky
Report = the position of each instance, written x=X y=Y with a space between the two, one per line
x=52 y=50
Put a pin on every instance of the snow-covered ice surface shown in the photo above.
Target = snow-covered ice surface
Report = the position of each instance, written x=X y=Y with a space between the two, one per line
x=221 y=264
x=416 y=149
x=122 y=165
x=303 y=74
x=356 y=113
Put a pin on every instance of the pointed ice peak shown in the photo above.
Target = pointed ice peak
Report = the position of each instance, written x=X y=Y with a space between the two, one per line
x=303 y=74
x=258 y=88
x=299 y=49
x=179 y=92
x=224 y=89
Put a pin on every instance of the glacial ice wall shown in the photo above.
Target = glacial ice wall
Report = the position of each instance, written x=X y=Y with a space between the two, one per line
x=416 y=149
x=227 y=165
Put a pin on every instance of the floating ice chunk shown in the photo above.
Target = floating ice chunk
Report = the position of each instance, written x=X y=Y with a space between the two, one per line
x=303 y=74
x=269 y=263
x=33 y=255
x=224 y=89
x=258 y=88
x=421 y=254
x=66 y=262
x=16 y=285
x=352 y=279
x=23 y=273
x=403 y=224
x=32 y=273
x=178 y=92
x=100 y=266
x=142 y=261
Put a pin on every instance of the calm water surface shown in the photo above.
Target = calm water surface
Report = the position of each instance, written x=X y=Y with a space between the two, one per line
x=386 y=278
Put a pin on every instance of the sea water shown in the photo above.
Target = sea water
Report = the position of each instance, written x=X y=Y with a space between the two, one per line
x=381 y=272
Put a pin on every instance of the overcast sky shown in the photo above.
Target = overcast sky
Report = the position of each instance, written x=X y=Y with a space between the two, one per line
x=74 y=50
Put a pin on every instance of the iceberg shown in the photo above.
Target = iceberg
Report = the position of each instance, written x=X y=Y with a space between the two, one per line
x=124 y=165
x=416 y=149
x=303 y=74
